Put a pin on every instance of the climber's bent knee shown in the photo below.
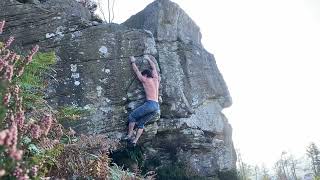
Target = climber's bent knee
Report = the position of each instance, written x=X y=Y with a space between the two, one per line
x=131 y=119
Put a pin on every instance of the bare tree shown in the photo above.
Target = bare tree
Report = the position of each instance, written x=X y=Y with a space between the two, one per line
x=109 y=10
x=281 y=167
x=265 y=173
x=280 y=173
x=101 y=10
x=112 y=10
x=245 y=170
x=110 y=7
x=286 y=167
x=256 y=172
x=293 y=166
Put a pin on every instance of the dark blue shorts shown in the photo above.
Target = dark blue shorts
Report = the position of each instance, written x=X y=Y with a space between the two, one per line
x=144 y=113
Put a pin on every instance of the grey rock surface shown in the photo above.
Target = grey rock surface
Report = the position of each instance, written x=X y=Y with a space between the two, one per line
x=93 y=73
x=194 y=92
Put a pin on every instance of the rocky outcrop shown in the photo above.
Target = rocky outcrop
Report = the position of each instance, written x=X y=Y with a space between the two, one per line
x=93 y=73
x=194 y=92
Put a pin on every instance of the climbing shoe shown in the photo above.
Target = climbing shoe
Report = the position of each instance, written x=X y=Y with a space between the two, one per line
x=126 y=138
x=131 y=143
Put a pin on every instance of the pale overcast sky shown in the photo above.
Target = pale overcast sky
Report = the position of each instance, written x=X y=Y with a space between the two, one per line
x=268 y=52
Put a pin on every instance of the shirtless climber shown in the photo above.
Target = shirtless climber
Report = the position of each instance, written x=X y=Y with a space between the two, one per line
x=150 y=81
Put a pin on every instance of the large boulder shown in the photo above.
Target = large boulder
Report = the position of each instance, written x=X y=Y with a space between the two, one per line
x=189 y=73
x=93 y=73
x=194 y=93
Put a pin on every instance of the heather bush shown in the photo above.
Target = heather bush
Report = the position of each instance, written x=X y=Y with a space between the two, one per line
x=23 y=138
x=89 y=158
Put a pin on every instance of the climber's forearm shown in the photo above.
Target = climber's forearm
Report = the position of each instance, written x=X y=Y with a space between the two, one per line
x=135 y=69
x=153 y=65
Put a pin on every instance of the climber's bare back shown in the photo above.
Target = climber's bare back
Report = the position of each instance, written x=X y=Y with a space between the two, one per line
x=151 y=83
x=151 y=87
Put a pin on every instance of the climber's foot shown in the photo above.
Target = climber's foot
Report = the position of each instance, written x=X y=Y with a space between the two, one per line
x=126 y=138
x=131 y=143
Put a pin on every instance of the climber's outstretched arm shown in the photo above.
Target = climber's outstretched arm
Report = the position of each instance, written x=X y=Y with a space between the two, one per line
x=153 y=66
x=136 y=69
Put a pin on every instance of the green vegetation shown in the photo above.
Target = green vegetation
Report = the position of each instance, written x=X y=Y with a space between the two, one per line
x=3 y=109
x=69 y=115
x=48 y=158
x=32 y=81
x=176 y=172
x=130 y=158
x=117 y=173
x=23 y=139
x=151 y=164
x=33 y=76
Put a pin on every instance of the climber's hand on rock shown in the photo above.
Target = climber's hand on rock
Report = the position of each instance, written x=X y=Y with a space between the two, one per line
x=132 y=59
x=146 y=57
x=151 y=58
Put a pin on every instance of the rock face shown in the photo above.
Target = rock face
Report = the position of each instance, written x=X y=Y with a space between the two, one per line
x=93 y=73
x=194 y=92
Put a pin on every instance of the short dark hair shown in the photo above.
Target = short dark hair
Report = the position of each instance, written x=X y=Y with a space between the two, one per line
x=147 y=72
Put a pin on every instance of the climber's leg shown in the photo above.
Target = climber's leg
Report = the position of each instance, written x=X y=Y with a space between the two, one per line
x=130 y=129
x=141 y=111
x=139 y=132
x=140 y=116
x=140 y=125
